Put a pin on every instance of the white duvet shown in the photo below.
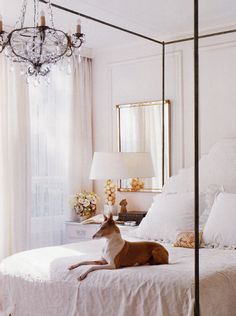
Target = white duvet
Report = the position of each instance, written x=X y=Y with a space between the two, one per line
x=37 y=283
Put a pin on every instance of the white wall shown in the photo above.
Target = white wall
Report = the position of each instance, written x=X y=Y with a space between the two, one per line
x=133 y=73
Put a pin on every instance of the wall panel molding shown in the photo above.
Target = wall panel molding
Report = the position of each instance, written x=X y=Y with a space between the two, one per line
x=177 y=115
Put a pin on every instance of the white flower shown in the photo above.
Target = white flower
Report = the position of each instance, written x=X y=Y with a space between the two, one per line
x=81 y=201
x=89 y=197
x=86 y=203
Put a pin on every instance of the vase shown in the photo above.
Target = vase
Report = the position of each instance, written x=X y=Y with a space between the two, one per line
x=86 y=213
x=110 y=209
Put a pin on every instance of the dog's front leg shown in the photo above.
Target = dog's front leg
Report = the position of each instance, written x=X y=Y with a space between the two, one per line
x=86 y=263
x=94 y=268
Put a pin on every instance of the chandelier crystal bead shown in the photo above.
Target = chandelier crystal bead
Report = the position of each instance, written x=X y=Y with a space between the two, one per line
x=40 y=46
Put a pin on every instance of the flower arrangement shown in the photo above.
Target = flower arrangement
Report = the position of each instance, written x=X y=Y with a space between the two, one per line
x=84 y=204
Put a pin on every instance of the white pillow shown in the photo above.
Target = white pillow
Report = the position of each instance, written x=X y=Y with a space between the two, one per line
x=168 y=215
x=220 y=228
x=211 y=193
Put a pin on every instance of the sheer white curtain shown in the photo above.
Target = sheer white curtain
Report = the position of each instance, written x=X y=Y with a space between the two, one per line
x=61 y=140
x=15 y=171
x=153 y=143
x=49 y=106
x=80 y=146
x=142 y=131
x=42 y=163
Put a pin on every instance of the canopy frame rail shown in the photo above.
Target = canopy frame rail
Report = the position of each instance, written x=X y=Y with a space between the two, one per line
x=196 y=160
x=88 y=17
x=163 y=113
x=157 y=41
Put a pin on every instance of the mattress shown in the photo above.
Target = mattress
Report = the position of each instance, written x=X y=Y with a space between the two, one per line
x=38 y=283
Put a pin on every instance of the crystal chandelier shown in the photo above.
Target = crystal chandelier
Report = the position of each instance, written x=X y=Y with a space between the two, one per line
x=40 y=46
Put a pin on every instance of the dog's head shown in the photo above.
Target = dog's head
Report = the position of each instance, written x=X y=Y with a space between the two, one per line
x=107 y=228
x=123 y=202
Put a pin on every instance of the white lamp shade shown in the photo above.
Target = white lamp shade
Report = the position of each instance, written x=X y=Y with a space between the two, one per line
x=121 y=165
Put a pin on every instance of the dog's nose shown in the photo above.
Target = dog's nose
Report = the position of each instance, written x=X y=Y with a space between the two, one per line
x=95 y=236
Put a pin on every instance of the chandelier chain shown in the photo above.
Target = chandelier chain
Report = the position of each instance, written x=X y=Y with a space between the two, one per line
x=36 y=12
x=51 y=13
x=21 y=19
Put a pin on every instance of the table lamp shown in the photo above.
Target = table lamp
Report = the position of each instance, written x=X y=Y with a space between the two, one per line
x=119 y=165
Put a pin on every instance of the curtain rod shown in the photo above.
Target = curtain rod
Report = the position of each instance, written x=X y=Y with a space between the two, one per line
x=102 y=22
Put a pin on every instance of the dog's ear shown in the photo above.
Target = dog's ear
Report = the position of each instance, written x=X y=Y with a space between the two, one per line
x=105 y=218
x=110 y=218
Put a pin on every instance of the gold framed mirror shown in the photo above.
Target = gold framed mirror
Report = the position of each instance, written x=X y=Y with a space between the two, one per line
x=140 y=129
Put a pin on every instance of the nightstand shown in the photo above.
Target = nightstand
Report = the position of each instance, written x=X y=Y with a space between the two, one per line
x=75 y=231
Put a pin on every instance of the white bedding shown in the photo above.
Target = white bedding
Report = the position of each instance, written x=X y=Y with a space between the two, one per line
x=37 y=283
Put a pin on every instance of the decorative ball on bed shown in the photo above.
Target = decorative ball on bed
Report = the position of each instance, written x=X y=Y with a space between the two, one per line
x=136 y=184
x=84 y=204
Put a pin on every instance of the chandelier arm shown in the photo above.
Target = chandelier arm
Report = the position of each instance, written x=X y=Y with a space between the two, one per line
x=80 y=39
x=1 y=48
x=69 y=52
x=3 y=42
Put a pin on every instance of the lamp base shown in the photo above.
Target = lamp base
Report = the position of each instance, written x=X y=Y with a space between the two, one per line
x=108 y=209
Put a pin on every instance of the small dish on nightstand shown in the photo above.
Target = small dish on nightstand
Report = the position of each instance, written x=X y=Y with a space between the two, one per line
x=130 y=223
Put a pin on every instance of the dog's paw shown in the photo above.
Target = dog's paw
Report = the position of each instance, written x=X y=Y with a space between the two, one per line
x=72 y=267
x=82 y=277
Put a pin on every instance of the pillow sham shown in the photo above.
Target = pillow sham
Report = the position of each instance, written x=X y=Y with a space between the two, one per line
x=169 y=214
x=207 y=199
x=211 y=193
x=220 y=226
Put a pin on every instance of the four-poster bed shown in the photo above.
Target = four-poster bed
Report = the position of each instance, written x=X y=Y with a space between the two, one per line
x=63 y=255
x=37 y=282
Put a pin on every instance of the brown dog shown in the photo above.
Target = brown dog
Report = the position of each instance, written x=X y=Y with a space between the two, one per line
x=119 y=253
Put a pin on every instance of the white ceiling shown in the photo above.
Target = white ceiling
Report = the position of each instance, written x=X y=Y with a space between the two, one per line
x=161 y=19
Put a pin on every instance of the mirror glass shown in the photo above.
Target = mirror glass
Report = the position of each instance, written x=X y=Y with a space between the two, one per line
x=140 y=129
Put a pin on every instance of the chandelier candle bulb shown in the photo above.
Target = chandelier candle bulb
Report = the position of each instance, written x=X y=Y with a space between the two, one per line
x=78 y=27
x=1 y=24
x=42 y=18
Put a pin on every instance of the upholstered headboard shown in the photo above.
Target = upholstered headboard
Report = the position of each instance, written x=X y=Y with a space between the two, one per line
x=217 y=167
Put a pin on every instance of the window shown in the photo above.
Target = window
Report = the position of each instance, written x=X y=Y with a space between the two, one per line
x=50 y=107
